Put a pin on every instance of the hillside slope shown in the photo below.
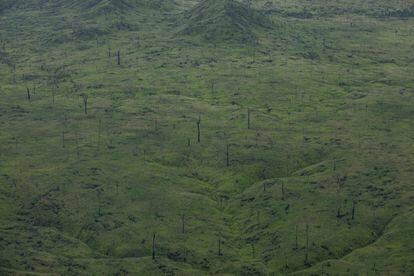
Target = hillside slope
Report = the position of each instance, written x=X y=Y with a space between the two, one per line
x=134 y=141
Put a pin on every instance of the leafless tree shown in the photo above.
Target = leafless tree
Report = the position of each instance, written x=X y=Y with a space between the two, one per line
x=85 y=103
x=153 y=246
x=198 y=129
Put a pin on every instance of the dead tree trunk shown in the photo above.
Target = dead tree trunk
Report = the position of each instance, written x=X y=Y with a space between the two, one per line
x=307 y=245
x=227 y=156
x=353 y=210
x=118 y=54
x=296 y=237
x=99 y=134
x=182 y=224
x=219 y=246
x=77 y=147
x=85 y=103
x=63 y=139
x=248 y=119
x=286 y=259
x=153 y=246
x=198 y=129
x=28 y=94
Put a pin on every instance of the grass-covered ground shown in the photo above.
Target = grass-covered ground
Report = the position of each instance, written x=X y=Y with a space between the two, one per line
x=305 y=159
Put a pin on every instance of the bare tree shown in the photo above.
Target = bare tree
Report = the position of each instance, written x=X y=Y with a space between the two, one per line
x=28 y=93
x=340 y=181
x=296 y=237
x=227 y=156
x=85 y=103
x=77 y=147
x=182 y=224
x=63 y=139
x=99 y=191
x=286 y=259
x=219 y=246
x=353 y=210
x=198 y=128
x=307 y=245
x=99 y=134
x=153 y=246
x=248 y=118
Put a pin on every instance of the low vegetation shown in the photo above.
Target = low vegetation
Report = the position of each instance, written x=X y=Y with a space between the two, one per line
x=214 y=137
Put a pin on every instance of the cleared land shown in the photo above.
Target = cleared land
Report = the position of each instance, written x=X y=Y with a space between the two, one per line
x=305 y=116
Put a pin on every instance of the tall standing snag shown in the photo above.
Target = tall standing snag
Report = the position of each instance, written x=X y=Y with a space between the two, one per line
x=198 y=128
x=28 y=94
x=182 y=224
x=85 y=103
x=99 y=134
x=153 y=246
x=307 y=245
x=248 y=118
x=77 y=146
x=296 y=237
x=353 y=210
x=227 y=156
x=219 y=246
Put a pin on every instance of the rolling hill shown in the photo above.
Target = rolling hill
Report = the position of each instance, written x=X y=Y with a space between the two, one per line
x=206 y=137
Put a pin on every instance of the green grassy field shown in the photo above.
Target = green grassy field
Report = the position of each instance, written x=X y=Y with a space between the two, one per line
x=305 y=159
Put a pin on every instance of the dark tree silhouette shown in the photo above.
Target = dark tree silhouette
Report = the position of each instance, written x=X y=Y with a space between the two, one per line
x=227 y=156
x=182 y=224
x=85 y=103
x=153 y=246
x=219 y=246
x=198 y=129
x=248 y=118
x=307 y=245
x=28 y=94
x=353 y=210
